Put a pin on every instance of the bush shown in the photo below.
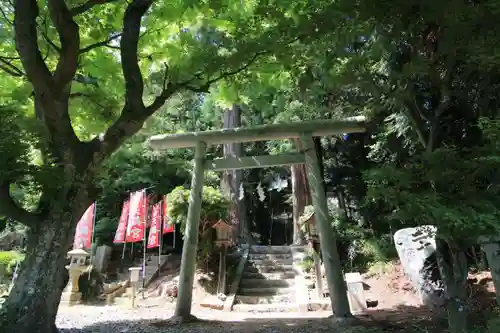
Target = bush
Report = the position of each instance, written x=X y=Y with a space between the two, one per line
x=214 y=207
x=8 y=261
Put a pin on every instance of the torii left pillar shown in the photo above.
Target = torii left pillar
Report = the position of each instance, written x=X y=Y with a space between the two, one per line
x=327 y=235
x=188 y=263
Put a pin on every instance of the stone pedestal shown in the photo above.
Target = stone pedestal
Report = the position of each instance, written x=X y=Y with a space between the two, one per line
x=355 y=293
x=72 y=294
x=71 y=298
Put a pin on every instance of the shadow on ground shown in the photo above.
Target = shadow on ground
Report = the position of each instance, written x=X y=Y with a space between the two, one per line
x=402 y=318
x=405 y=319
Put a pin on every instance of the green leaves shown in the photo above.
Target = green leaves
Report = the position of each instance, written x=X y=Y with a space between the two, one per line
x=214 y=206
x=14 y=146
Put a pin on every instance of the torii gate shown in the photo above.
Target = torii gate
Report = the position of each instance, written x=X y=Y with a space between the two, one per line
x=304 y=131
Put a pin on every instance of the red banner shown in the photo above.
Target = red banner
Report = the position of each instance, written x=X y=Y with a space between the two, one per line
x=122 y=224
x=154 y=231
x=167 y=227
x=136 y=217
x=84 y=229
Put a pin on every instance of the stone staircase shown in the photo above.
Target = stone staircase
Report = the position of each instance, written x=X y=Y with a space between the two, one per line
x=152 y=273
x=268 y=280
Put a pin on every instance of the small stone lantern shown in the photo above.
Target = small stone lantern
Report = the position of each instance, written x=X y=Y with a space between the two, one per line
x=223 y=233
x=76 y=268
x=134 y=281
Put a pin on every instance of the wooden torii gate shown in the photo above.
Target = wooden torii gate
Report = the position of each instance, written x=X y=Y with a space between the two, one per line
x=304 y=131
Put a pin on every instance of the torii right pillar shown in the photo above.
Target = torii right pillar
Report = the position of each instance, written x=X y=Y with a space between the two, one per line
x=327 y=234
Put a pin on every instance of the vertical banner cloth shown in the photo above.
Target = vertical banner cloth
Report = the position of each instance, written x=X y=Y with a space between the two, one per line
x=84 y=229
x=167 y=228
x=136 y=217
x=122 y=224
x=154 y=231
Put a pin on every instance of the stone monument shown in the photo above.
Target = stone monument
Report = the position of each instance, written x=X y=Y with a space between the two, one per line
x=76 y=268
x=416 y=249
x=355 y=292
x=491 y=247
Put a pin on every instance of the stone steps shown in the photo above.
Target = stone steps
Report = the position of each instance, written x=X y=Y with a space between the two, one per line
x=271 y=262
x=269 y=256
x=258 y=249
x=268 y=276
x=265 y=308
x=265 y=291
x=269 y=268
x=265 y=299
x=265 y=283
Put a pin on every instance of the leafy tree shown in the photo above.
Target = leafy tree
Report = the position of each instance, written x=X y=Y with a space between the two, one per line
x=70 y=63
x=214 y=208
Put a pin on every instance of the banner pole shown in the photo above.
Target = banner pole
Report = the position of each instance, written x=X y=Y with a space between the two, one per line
x=175 y=234
x=125 y=237
x=160 y=235
x=92 y=236
x=144 y=244
x=123 y=252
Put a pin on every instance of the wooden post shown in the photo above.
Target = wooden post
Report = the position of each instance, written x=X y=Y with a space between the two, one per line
x=320 y=289
x=134 y=291
x=188 y=263
x=327 y=235
x=222 y=270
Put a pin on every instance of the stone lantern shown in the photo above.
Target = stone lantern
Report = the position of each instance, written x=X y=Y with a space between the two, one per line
x=76 y=268
x=223 y=230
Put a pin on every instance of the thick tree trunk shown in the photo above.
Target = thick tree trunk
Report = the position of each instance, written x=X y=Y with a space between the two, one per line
x=231 y=182
x=33 y=303
x=300 y=199
x=453 y=268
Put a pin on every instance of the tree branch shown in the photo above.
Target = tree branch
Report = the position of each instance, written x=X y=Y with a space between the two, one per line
x=99 y=44
x=87 y=6
x=69 y=37
x=25 y=27
x=5 y=16
x=134 y=113
x=134 y=83
x=9 y=68
x=9 y=208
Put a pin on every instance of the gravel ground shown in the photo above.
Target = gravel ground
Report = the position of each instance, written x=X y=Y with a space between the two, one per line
x=111 y=319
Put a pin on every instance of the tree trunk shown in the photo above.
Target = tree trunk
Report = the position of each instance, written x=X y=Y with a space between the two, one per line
x=231 y=182
x=33 y=303
x=453 y=268
x=300 y=199
x=339 y=190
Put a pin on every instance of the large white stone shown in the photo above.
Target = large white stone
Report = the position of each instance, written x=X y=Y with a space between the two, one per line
x=416 y=249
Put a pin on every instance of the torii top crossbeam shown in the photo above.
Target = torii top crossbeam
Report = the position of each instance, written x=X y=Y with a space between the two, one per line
x=259 y=133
